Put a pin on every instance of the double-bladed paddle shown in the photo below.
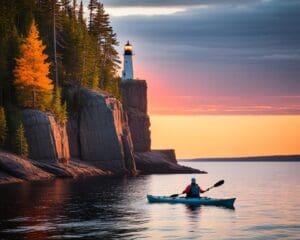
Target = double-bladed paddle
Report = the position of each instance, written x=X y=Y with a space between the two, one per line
x=217 y=184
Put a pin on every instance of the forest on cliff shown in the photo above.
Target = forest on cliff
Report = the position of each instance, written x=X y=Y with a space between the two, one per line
x=47 y=47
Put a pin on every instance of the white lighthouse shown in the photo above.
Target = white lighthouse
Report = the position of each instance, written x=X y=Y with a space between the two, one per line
x=127 y=73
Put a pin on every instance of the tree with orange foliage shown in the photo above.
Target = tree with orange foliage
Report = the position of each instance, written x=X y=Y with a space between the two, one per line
x=33 y=85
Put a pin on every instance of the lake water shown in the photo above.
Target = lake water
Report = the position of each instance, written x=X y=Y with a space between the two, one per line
x=267 y=206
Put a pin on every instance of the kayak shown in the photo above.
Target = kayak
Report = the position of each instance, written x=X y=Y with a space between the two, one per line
x=197 y=201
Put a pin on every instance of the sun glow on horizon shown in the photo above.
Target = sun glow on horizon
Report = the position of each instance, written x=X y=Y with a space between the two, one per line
x=226 y=136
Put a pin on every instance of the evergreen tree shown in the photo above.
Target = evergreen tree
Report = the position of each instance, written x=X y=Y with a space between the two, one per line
x=108 y=59
x=31 y=72
x=80 y=60
x=50 y=15
x=80 y=14
x=92 y=7
x=80 y=55
x=59 y=108
x=21 y=145
x=113 y=87
x=3 y=127
x=74 y=9
x=9 y=45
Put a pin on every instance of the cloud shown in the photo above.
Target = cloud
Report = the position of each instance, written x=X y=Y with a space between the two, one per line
x=220 y=50
x=167 y=3
x=118 y=8
x=271 y=32
x=280 y=56
x=143 y=11
x=195 y=105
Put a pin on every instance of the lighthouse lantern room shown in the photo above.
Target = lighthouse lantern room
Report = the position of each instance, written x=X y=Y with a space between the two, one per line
x=127 y=73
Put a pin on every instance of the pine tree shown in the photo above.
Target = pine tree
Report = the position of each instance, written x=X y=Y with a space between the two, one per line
x=80 y=14
x=80 y=54
x=108 y=58
x=31 y=72
x=110 y=62
x=92 y=7
x=50 y=15
x=59 y=108
x=9 y=45
x=21 y=145
x=80 y=60
x=3 y=127
x=74 y=9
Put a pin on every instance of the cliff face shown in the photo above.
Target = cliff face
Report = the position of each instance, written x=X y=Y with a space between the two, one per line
x=99 y=133
x=101 y=138
x=134 y=93
x=47 y=140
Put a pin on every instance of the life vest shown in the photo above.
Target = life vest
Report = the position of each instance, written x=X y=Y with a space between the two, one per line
x=194 y=191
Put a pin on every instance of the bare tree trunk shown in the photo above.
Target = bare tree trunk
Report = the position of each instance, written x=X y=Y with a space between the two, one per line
x=33 y=98
x=1 y=96
x=54 y=44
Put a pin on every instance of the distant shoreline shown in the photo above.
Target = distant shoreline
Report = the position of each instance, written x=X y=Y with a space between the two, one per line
x=279 y=158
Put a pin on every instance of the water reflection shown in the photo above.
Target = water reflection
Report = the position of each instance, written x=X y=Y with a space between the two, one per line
x=93 y=208
x=116 y=208
x=193 y=208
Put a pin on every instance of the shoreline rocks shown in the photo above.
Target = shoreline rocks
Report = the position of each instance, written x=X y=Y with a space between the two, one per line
x=161 y=162
x=15 y=169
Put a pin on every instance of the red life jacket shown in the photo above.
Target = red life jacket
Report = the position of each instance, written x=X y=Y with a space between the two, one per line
x=193 y=190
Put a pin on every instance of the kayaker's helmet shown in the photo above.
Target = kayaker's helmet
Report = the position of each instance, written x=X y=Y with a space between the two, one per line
x=193 y=180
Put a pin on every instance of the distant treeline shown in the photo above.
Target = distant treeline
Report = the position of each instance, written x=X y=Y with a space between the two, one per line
x=47 y=46
x=279 y=158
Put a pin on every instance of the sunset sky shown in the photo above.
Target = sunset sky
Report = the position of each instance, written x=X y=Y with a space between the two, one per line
x=215 y=57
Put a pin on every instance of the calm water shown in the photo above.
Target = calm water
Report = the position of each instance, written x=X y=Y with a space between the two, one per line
x=267 y=206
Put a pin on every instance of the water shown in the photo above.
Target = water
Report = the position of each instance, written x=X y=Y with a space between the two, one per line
x=267 y=206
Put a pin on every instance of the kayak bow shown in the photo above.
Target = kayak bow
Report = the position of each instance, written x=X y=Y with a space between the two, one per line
x=229 y=202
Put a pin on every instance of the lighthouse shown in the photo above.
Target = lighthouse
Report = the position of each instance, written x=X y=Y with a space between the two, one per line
x=127 y=73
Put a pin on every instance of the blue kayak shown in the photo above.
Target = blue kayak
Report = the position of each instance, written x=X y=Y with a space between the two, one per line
x=229 y=202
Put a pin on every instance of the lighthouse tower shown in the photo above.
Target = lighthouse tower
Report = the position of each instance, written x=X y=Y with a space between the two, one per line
x=127 y=73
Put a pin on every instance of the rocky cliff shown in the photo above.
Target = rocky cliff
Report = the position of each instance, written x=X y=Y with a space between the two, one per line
x=100 y=138
x=47 y=139
x=99 y=132
x=49 y=148
x=134 y=96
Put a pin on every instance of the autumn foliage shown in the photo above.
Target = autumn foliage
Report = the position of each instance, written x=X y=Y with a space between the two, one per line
x=33 y=85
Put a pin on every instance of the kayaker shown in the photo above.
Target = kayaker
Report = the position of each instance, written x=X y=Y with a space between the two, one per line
x=193 y=190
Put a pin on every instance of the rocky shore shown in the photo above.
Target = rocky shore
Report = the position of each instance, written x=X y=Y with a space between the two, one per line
x=103 y=137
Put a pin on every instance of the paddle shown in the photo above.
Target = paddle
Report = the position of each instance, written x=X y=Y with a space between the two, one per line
x=217 y=184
